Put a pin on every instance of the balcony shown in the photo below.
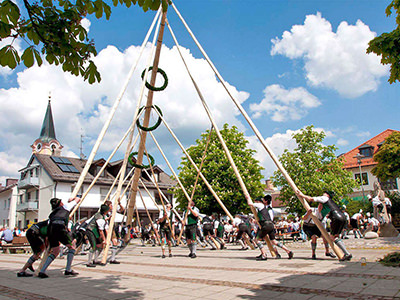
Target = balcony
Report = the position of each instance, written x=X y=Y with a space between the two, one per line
x=28 y=182
x=27 y=206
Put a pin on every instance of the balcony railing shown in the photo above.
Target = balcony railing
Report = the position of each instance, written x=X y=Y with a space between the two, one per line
x=28 y=182
x=27 y=206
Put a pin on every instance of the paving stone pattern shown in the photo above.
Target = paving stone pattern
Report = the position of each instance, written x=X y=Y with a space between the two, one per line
x=226 y=274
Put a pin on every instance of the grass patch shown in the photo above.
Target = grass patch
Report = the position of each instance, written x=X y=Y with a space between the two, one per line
x=391 y=259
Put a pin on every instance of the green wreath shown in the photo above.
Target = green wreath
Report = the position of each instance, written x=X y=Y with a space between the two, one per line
x=155 y=125
x=140 y=166
x=153 y=88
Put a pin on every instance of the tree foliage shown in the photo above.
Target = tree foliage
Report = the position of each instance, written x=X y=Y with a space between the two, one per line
x=219 y=173
x=53 y=29
x=388 y=158
x=388 y=44
x=314 y=168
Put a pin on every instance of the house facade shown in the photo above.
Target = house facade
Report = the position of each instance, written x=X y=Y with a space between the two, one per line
x=360 y=162
x=8 y=202
x=48 y=174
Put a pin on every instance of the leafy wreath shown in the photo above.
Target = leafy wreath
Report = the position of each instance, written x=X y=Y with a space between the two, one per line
x=153 y=88
x=140 y=166
x=155 y=125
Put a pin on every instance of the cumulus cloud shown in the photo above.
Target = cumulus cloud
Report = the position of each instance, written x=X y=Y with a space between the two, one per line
x=277 y=144
x=342 y=142
x=284 y=104
x=334 y=60
x=16 y=43
x=86 y=24
x=79 y=107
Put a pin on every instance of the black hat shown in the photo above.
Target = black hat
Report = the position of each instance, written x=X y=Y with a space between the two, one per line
x=55 y=202
x=267 y=198
x=330 y=193
x=258 y=199
x=104 y=208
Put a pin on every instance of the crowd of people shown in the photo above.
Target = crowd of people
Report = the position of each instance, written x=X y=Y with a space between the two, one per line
x=193 y=228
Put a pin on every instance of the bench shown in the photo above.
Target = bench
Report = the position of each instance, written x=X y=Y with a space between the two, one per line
x=19 y=243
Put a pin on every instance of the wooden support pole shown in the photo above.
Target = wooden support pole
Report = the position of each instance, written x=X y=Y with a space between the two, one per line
x=139 y=158
x=151 y=221
x=123 y=167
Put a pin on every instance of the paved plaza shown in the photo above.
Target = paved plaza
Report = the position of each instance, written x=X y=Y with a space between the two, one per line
x=223 y=274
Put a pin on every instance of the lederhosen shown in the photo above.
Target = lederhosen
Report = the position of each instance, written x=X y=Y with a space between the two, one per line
x=58 y=230
x=36 y=236
x=165 y=229
x=208 y=226
x=191 y=227
x=93 y=231
x=338 y=219
x=354 y=223
x=267 y=225
x=244 y=227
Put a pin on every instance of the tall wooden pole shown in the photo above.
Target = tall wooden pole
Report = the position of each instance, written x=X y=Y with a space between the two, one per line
x=139 y=158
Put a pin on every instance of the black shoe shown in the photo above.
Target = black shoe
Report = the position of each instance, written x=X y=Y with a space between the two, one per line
x=91 y=265
x=31 y=268
x=278 y=256
x=290 y=255
x=190 y=255
x=330 y=254
x=314 y=257
x=170 y=255
x=346 y=257
x=262 y=258
x=259 y=256
x=163 y=256
x=246 y=248
x=42 y=275
x=193 y=256
x=24 y=274
x=213 y=248
x=70 y=273
x=114 y=262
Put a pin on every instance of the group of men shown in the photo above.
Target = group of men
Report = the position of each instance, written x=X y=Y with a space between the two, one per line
x=55 y=230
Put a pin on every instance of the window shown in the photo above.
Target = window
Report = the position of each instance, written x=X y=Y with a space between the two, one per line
x=103 y=193
x=64 y=164
x=157 y=198
x=366 y=150
x=103 y=174
x=364 y=178
x=37 y=195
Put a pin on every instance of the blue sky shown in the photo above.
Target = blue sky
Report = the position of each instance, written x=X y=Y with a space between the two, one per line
x=290 y=63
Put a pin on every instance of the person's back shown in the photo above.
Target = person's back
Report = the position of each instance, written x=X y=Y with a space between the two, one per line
x=7 y=235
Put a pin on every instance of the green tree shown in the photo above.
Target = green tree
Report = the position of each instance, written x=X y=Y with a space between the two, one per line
x=314 y=168
x=388 y=158
x=388 y=44
x=219 y=173
x=55 y=27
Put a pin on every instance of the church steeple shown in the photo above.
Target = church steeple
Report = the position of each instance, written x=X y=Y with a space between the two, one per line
x=47 y=142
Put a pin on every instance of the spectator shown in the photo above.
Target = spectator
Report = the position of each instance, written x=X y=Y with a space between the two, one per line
x=7 y=236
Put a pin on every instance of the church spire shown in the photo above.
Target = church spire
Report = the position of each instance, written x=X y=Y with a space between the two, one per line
x=48 y=132
x=47 y=142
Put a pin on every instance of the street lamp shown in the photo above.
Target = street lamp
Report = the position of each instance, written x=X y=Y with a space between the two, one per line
x=359 y=157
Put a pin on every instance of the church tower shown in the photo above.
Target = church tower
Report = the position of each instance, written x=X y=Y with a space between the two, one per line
x=47 y=142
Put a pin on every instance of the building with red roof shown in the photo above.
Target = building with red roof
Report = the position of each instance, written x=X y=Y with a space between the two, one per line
x=360 y=161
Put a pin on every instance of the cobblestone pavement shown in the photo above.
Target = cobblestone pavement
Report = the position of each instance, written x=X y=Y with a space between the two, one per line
x=223 y=274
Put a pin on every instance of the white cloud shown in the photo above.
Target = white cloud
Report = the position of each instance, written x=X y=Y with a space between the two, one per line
x=342 y=142
x=284 y=105
x=86 y=24
x=277 y=143
x=78 y=106
x=364 y=134
x=334 y=60
x=10 y=164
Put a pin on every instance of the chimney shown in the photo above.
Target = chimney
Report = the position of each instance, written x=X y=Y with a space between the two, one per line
x=268 y=185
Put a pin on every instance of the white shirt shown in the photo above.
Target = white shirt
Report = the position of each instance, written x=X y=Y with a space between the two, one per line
x=237 y=221
x=316 y=212
x=376 y=201
x=387 y=201
x=260 y=206
x=356 y=215
x=321 y=199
